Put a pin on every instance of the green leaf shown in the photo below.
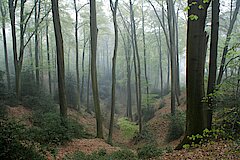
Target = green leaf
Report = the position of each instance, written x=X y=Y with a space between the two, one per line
x=186 y=8
x=205 y=1
x=200 y=7
x=193 y=17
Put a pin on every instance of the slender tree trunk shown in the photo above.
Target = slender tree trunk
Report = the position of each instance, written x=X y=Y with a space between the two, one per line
x=213 y=58
x=60 y=59
x=88 y=80
x=114 y=59
x=83 y=67
x=172 y=39
x=37 y=15
x=159 y=40
x=94 y=32
x=144 y=52
x=138 y=70
x=228 y=38
x=48 y=54
x=77 y=54
x=4 y=13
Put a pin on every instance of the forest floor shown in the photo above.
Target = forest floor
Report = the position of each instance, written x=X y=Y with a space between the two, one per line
x=158 y=125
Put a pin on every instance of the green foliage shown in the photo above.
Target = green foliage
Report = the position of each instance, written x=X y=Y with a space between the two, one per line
x=128 y=128
x=49 y=129
x=15 y=144
x=227 y=108
x=162 y=104
x=176 y=126
x=102 y=155
x=208 y=136
x=123 y=155
x=149 y=151
x=2 y=86
x=228 y=121
x=193 y=17
x=41 y=103
x=146 y=135
x=169 y=149
x=148 y=113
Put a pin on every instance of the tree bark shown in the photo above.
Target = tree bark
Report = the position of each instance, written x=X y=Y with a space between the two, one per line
x=213 y=58
x=196 y=52
x=37 y=16
x=228 y=38
x=48 y=53
x=114 y=59
x=94 y=32
x=60 y=60
x=3 y=13
x=77 y=54
x=144 y=54
x=138 y=67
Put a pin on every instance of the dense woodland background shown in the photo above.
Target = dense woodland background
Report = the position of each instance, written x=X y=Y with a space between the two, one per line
x=147 y=75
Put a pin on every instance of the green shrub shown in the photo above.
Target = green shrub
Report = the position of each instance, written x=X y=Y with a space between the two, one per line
x=102 y=155
x=76 y=156
x=176 y=126
x=48 y=129
x=128 y=128
x=3 y=111
x=169 y=149
x=149 y=151
x=146 y=135
x=42 y=103
x=162 y=104
x=228 y=120
x=123 y=155
x=148 y=113
x=15 y=144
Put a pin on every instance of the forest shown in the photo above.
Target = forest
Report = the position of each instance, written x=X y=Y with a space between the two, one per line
x=119 y=79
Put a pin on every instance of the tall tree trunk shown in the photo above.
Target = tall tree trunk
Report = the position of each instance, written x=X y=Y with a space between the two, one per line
x=114 y=59
x=138 y=67
x=94 y=32
x=4 y=13
x=37 y=16
x=213 y=58
x=48 y=54
x=144 y=52
x=127 y=48
x=60 y=59
x=83 y=66
x=196 y=52
x=88 y=80
x=172 y=38
x=228 y=38
x=77 y=54
x=159 y=41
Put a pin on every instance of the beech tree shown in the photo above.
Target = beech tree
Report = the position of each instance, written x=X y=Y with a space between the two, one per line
x=93 y=33
x=196 y=52
x=60 y=59
x=3 y=10
x=113 y=7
